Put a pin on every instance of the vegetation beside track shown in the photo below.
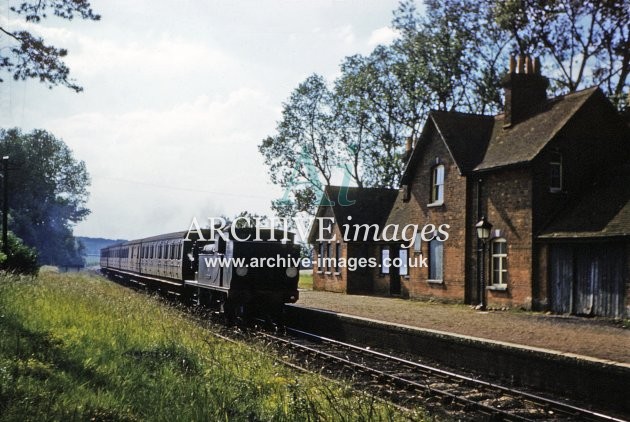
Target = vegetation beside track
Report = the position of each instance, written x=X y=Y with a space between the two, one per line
x=78 y=347
x=306 y=280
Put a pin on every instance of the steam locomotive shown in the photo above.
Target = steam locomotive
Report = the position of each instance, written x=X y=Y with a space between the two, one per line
x=239 y=271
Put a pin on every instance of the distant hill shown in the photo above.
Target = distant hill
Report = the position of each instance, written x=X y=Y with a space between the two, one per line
x=93 y=245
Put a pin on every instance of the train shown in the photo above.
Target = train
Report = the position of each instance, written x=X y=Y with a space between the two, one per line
x=237 y=272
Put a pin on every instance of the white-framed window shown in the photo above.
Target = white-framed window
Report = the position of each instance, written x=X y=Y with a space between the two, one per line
x=499 y=261
x=337 y=257
x=436 y=260
x=555 y=172
x=328 y=256
x=417 y=244
x=385 y=261
x=403 y=254
x=320 y=260
x=437 y=184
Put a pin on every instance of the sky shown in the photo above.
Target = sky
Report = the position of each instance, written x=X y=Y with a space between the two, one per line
x=177 y=99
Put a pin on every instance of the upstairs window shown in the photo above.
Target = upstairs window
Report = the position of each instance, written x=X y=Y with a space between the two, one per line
x=555 y=172
x=499 y=262
x=437 y=184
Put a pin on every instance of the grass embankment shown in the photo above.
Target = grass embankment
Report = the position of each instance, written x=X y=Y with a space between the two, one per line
x=306 y=280
x=78 y=347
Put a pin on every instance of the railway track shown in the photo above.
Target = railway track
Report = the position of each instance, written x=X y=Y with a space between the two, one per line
x=411 y=385
x=405 y=383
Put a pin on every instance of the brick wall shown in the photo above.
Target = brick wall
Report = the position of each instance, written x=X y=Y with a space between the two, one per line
x=507 y=203
x=329 y=279
x=451 y=212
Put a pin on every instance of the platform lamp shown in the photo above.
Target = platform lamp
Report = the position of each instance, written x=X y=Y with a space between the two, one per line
x=483 y=233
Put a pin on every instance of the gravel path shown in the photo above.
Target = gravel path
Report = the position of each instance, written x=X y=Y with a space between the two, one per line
x=597 y=338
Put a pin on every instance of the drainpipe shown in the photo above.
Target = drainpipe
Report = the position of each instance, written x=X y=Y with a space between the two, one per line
x=479 y=243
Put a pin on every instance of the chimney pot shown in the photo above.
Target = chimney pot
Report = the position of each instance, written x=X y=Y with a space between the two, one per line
x=521 y=63
x=525 y=90
x=529 y=65
x=537 y=66
x=512 y=64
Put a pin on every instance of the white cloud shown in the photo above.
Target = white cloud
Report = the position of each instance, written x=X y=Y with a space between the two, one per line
x=192 y=159
x=345 y=34
x=176 y=100
x=384 y=36
x=165 y=56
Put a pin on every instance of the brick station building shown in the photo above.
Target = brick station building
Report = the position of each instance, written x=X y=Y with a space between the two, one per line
x=550 y=174
x=370 y=207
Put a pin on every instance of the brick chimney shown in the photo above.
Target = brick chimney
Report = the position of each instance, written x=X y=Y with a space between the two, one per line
x=525 y=89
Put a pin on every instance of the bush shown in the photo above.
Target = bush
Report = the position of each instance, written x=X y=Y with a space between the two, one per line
x=20 y=258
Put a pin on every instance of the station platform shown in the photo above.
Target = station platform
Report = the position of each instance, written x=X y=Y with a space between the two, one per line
x=591 y=338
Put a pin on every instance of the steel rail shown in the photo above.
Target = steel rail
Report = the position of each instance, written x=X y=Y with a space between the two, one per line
x=462 y=401
x=538 y=401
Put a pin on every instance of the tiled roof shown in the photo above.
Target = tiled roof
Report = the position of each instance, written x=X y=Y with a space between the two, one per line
x=603 y=211
x=521 y=142
x=479 y=142
x=371 y=206
x=400 y=213
x=464 y=135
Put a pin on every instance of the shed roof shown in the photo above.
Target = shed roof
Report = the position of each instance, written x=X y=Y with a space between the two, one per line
x=371 y=206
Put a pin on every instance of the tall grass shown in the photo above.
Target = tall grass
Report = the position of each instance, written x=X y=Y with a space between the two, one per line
x=78 y=347
x=306 y=280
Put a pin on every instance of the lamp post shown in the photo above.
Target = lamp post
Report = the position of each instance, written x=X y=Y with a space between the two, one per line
x=483 y=233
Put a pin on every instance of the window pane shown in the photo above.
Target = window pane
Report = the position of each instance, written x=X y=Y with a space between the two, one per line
x=337 y=256
x=499 y=261
x=328 y=255
x=439 y=175
x=385 y=261
x=404 y=261
x=436 y=260
x=417 y=244
x=496 y=277
x=437 y=184
x=555 y=175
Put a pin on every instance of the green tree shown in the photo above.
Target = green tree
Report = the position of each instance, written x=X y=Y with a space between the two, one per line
x=584 y=42
x=27 y=56
x=47 y=194
x=20 y=258
x=303 y=153
x=455 y=52
x=374 y=113
x=450 y=58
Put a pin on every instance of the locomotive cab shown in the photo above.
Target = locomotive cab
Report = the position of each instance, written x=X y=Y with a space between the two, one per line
x=249 y=268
